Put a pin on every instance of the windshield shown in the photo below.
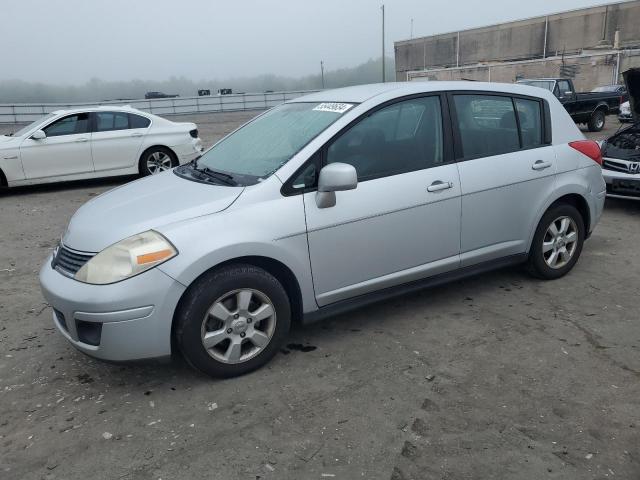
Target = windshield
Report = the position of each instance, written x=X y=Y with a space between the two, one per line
x=261 y=147
x=26 y=128
x=547 y=84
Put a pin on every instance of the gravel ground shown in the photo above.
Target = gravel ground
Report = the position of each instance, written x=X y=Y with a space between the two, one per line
x=499 y=376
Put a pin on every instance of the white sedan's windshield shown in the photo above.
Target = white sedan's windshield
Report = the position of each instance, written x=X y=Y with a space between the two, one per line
x=264 y=145
x=26 y=128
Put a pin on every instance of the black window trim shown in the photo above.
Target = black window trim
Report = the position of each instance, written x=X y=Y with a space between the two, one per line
x=56 y=120
x=457 y=138
x=320 y=156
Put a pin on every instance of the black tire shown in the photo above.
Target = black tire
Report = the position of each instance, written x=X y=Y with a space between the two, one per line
x=143 y=166
x=536 y=264
x=597 y=121
x=202 y=295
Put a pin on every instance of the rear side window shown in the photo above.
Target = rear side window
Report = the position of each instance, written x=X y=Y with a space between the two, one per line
x=136 y=121
x=487 y=125
x=530 y=117
x=403 y=137
x=71 y=125
x=108 y=121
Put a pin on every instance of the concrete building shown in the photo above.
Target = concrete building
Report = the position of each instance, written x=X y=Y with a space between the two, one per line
x=592 y=45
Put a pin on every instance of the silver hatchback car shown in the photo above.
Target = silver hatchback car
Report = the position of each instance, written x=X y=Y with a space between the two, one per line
x=323 y=204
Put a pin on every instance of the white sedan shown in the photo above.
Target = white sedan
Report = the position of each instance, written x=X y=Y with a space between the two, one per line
x=95 y=142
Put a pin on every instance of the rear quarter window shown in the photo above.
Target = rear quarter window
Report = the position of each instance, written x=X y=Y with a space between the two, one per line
x=138 y=121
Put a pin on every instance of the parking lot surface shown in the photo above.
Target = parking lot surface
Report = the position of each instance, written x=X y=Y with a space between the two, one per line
x=498 y=376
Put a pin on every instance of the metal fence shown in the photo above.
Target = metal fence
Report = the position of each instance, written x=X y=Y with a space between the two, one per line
x=28 y=112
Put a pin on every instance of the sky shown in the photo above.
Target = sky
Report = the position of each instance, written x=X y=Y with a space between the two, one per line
x=72 y=41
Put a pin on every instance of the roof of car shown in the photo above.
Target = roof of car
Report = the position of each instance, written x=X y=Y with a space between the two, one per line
x=362 y=93
x=97 y=108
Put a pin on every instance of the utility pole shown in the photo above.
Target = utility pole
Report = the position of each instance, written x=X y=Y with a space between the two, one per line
x=384 y=73
x=411 y=36
x=322 y=72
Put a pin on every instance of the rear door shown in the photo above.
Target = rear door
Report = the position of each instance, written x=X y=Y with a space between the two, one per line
x=507 y=171
x=65 y=151
x=116 y=139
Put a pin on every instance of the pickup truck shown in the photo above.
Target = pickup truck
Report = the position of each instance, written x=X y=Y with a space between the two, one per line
x=588 y=108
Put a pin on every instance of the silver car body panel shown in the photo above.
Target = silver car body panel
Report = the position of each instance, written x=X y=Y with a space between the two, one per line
x=386 y=232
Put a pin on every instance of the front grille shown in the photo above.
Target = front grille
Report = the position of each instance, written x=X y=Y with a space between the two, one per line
x=618 y=167
x=68 y=261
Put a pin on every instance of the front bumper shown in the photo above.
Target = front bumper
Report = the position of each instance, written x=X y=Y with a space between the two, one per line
x=621 y=184
x=128 y=320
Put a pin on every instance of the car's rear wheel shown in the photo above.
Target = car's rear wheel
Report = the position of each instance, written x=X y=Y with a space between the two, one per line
x=597 y=121
x=233 y=320
x=157 y=160
x=557 y=243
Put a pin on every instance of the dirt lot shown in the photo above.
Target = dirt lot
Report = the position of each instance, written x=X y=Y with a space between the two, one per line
x=499 y=377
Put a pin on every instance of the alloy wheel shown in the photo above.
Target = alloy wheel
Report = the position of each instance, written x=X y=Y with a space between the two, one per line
x=158 y=162
x=238 y=326
x=560 y=242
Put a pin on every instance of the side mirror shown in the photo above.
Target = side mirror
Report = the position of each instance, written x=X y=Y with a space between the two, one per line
x=39 y=135
x=335 y=177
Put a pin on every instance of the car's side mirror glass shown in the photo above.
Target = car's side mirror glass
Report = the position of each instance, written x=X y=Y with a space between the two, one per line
x=335 y=177
x=39 y=135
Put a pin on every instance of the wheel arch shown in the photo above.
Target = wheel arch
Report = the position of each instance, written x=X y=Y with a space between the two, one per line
x=151 y=147
x=572 y=198
x=275 y=267
x=3 y=179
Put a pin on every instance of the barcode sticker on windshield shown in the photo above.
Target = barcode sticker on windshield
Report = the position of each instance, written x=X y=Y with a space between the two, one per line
x=333 y=107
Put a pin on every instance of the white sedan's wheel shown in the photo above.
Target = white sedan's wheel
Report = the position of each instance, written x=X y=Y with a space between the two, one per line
x=157 y=160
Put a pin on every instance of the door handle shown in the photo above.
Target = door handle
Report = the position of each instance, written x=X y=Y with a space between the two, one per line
x=138 y=134
x=541 y=165
x=80 y=140
x=439 y=185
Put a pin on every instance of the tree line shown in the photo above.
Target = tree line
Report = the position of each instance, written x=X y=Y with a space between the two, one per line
x=96 y=90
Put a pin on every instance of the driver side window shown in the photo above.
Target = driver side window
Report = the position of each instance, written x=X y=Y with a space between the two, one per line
x=70 y=125
x=400 y=138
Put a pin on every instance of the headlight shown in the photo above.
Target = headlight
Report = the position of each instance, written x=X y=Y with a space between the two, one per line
x=127 y=258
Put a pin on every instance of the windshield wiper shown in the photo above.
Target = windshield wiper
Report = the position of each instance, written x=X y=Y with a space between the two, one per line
x=220 y=176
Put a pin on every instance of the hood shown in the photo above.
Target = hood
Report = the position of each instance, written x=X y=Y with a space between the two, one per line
x=4 y=139
x=143 y=205
x=632 y=81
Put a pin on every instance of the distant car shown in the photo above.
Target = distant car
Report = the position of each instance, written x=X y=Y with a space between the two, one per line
x=99 y=142
x=321 y=205
x=225 y=91
x=588 y=108
x=621 y=151
x=152 y=95
x=625 y=115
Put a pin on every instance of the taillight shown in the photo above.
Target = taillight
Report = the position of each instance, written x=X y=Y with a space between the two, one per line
x=194 y=133
x=589 y=148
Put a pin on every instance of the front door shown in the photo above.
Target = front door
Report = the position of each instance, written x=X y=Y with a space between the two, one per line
x=402 y=222
x=65 y=151
x=507 y=171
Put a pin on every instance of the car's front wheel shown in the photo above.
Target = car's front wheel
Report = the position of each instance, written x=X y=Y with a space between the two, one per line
x=557 y=243
x=233 y=320
x=157 y=160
